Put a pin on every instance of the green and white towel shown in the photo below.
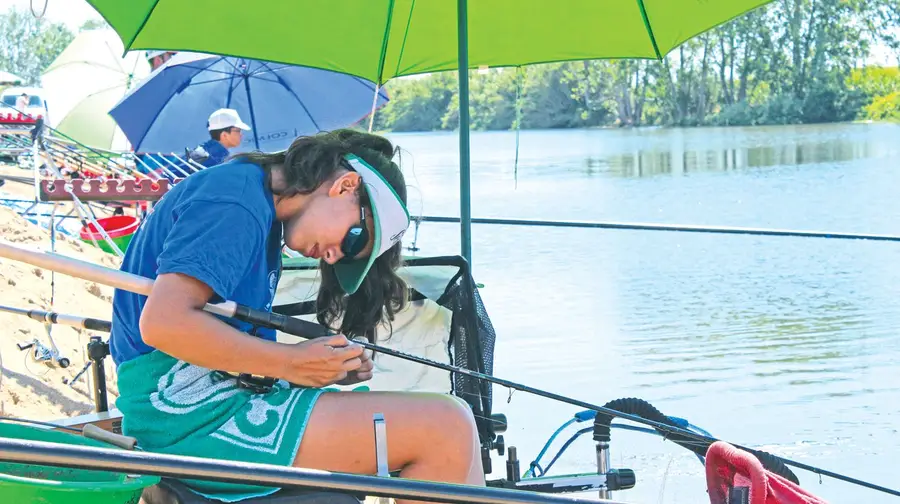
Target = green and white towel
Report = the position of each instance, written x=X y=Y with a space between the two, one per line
x=177 y=408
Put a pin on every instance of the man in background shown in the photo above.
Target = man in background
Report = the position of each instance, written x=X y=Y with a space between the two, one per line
x=22 y=102
x=226 y=130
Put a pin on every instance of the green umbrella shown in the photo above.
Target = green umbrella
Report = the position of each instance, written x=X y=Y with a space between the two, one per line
x=382 y=39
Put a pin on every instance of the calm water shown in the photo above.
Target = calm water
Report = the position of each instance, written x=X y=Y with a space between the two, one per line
x=787 y=344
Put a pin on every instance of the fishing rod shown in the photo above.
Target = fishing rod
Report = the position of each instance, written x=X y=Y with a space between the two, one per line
x=51 y=317
x=163 y=465
x=639 y=226
x=96 y=348
x=305 y=329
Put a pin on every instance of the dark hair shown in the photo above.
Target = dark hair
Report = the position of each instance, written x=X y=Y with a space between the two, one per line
x=216 y=134
x=308 y=163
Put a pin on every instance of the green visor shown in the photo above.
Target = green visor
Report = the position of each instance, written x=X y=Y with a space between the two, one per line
x=391 y=220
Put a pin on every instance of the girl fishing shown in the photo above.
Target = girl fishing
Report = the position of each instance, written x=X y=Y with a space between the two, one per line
x=217 y=235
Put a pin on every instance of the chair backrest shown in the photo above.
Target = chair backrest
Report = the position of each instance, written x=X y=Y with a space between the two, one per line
x=446 y=322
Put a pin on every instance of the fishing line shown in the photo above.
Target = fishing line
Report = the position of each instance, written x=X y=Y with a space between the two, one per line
x=306 y=329
x=38 y=422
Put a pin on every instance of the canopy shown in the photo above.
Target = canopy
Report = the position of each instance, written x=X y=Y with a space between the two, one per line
x=382 y=39
x=168 y=111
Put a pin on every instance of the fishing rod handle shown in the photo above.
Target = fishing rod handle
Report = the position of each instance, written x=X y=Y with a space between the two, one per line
x=90 y=324
x=91 y=431
x=283 y=323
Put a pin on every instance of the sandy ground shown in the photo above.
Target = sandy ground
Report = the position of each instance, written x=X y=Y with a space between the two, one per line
x=35 y=390
x=14 y=188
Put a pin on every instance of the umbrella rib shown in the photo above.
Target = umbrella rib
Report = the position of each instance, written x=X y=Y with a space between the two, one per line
x=412 y=7
x=231 y=88
x=143 y=23
x=85 y=62
x=384 y=41
x=233 y=66
x=218 y=79
x=291 y=91
x=94 y=93
x=117 y=60
x=263 y=69
x=264 y=78
x=205 y=69
x=649 y=28
x=158 y=112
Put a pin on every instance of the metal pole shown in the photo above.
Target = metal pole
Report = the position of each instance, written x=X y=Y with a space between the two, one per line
x=465 y=203
x=36 y=162
x=147 y=463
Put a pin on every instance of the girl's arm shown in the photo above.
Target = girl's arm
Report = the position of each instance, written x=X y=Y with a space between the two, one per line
x=173 y=321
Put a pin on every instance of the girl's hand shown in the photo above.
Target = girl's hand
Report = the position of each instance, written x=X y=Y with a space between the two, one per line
x=324 y=361
x=365 y=370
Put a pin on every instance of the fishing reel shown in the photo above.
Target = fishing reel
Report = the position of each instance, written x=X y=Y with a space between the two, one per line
x=43 y=354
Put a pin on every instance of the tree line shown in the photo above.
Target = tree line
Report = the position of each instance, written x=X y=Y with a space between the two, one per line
x=794 y=61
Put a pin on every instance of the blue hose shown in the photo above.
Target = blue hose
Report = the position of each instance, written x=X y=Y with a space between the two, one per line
x=584 y=416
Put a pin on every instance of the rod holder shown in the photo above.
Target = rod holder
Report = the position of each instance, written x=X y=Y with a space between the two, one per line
x=105 y=190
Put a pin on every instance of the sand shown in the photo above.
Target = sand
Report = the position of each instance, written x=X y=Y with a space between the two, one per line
x=31 y=389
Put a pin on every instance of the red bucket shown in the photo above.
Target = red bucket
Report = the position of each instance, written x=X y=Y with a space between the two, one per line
x=120 y=228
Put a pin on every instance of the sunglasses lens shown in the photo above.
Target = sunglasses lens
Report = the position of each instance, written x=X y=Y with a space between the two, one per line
x=354 y=242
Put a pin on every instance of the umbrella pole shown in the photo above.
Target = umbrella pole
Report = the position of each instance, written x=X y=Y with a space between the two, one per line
x=465 y=203
x=252 y=116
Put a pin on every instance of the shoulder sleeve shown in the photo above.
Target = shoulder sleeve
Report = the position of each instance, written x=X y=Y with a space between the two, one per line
x=214 y=242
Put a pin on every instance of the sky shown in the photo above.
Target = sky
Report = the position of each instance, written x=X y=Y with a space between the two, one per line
x=71 y=12
x=75 y=12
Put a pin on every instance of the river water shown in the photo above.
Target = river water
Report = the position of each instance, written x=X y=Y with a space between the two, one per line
x=785 y=344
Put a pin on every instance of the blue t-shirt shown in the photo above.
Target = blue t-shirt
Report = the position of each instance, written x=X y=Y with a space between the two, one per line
x=216 y=151
x=217 y=225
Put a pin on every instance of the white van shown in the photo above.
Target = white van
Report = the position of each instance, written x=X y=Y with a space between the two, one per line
x=37 y=103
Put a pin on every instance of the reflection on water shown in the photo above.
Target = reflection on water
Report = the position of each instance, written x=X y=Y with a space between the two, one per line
x=643 y=164
x=786 y=344
x=680 y=157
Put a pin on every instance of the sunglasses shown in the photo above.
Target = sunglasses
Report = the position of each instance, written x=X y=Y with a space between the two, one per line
x=356 y=239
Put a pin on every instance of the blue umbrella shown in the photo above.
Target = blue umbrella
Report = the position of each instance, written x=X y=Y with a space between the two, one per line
x=167 y=112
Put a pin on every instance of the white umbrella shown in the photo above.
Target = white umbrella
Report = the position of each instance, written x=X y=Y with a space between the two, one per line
x=85 y=81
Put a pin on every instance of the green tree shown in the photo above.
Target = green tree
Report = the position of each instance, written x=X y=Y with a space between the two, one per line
x=28 y=45
x=794 y=61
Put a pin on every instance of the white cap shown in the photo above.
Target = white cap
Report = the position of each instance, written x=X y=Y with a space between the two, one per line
x=226 y=118
x=391 y=221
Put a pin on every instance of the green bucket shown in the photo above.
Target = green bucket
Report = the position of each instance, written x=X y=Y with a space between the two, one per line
x=51 y=484
x=120 y=228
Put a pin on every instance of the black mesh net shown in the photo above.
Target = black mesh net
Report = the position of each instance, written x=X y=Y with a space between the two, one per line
x=472 y=340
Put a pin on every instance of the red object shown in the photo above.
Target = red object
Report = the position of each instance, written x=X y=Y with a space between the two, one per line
x=731 y=473
x=116 y=226
x=89 y=189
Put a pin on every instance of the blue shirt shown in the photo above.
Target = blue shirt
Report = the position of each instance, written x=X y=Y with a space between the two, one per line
x=216 y=151
x=217 y=225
